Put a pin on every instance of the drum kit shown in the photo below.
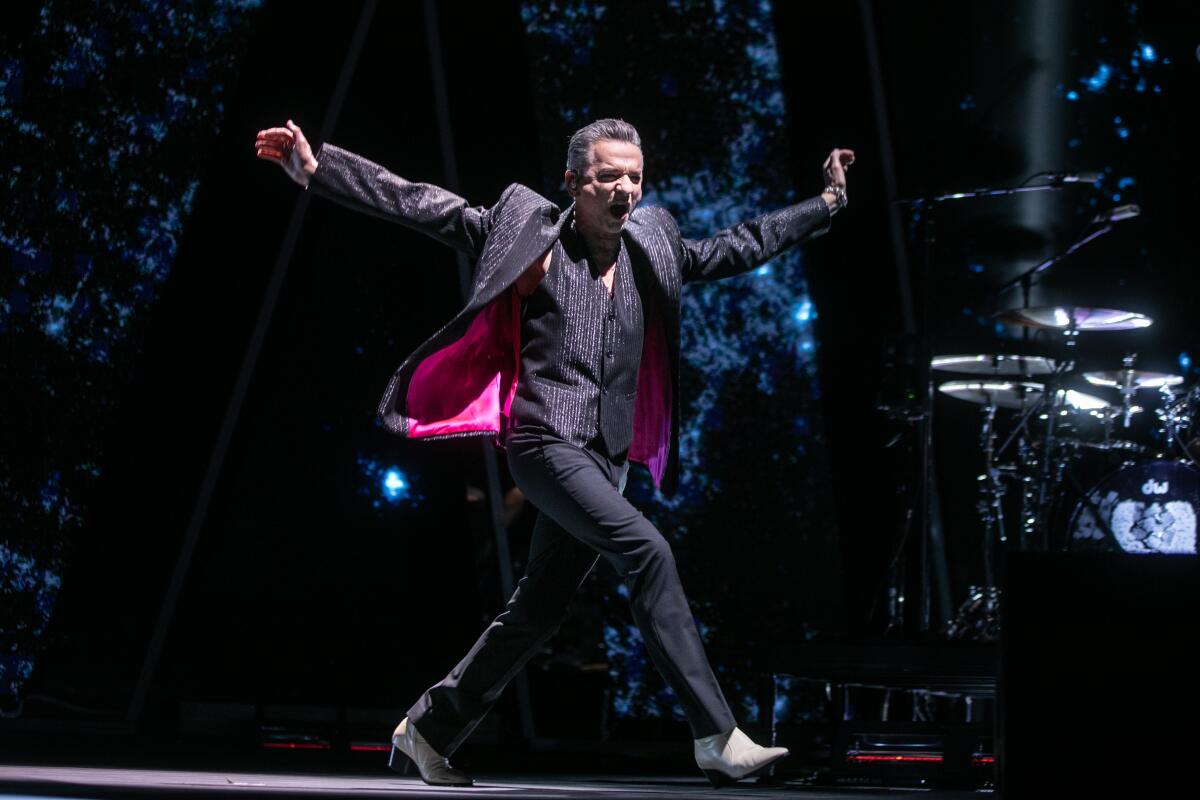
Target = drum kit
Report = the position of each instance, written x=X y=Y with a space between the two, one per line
x=1137 y=430
x=1102 y=458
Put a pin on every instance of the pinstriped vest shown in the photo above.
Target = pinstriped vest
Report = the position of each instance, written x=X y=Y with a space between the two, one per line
x=580 y=351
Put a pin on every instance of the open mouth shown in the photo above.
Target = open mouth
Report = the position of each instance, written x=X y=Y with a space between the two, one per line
x=618 y=210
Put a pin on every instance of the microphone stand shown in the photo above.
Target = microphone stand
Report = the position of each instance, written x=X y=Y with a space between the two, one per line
x=1025 y=279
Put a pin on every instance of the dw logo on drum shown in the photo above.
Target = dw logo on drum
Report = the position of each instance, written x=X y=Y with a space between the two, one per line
x=1156 y=487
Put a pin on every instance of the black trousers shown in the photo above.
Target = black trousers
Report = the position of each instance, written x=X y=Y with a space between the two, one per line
x=582 y=517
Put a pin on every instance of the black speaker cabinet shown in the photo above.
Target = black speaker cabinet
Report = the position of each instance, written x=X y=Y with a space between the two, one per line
x=1098 y=675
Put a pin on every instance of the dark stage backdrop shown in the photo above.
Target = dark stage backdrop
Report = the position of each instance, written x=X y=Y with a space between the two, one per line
x=108 y=112
x=141 y=233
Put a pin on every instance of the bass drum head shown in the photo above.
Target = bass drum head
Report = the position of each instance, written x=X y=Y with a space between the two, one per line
x=1143 y=508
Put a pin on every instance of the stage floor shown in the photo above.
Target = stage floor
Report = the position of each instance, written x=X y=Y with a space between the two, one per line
x=92 y=782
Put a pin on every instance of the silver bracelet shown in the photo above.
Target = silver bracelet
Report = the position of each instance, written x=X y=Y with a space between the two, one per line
x=839 y=194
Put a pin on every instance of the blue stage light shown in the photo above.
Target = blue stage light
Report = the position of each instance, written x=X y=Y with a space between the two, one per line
x=395 y=486
x=388 y=485
x=1099 y=79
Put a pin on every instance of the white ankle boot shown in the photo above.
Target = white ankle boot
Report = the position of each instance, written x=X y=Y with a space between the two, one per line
x=433 y=767
x=727 y=757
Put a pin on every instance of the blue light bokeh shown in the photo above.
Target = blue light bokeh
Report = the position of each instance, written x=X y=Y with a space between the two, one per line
x=387 y=486
x=107 y=111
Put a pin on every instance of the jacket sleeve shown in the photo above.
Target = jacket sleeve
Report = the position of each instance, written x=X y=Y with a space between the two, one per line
x=363 y=185
x=745 y=246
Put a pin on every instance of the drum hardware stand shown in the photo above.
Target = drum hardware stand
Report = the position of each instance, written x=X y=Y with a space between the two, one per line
x=1055 y=399
x=1176 y=418
x=991 y=509
x=896 y=573
x=1128 y=388
x=978 y=616
x=1037 y=491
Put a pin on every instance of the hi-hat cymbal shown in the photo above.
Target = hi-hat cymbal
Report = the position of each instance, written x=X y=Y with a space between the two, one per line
x=1084 y=319
x=998 y=364
x=1017 y=394
x=1132 y=379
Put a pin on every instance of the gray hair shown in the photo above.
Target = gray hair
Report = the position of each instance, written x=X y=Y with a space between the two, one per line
x=579 y=151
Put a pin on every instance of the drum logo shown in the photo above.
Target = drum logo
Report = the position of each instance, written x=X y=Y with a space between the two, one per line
x=1158 y=528
x=1156 y=487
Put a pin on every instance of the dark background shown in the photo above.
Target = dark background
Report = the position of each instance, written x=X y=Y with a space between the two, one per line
x=305 y=591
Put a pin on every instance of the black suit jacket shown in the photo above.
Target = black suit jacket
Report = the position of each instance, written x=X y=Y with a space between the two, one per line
x=461 y=381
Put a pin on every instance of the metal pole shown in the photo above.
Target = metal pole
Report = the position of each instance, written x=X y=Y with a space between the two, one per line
x=495 y=496
x=233 y=408
x=932 y=546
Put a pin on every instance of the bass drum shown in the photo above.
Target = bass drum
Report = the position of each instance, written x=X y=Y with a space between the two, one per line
x=1142 y=508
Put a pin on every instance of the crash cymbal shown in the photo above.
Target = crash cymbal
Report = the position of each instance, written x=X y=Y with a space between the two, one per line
x=1132 y=379
x=1002 y=394
x=998 y=364
x=1017 y=394
x=1085 y=319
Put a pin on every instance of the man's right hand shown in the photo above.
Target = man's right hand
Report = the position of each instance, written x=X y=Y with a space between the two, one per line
x=288 y=148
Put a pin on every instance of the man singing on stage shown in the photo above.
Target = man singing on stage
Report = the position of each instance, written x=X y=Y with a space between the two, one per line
x=568 y=353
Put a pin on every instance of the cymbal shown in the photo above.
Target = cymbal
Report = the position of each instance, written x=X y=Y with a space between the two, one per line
x=1132 y=379
x=1002 y=394
x=1085 y=319
x=1083 y=402
x=1112 y=445
x=999 y=364
x=1016 y=394
x=1120 y=445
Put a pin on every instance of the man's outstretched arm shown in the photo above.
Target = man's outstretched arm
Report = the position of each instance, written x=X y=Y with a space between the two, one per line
x=363 y=185
x=745 y=246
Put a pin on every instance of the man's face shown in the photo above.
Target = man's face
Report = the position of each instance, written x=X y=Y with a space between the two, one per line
x=609 y=189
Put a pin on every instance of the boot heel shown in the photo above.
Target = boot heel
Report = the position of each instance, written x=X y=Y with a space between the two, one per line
x=398 y=762
x=718 y=778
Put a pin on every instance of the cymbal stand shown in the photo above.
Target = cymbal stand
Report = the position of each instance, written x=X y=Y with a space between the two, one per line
x=1027 y=457
x=1128 y=388
x=1176 y=417
x=978 y=616
x=1048 y=480
x=991 y=509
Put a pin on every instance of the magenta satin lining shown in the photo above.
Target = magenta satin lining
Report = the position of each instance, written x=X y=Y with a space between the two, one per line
x=458 y=389
x=652 y=411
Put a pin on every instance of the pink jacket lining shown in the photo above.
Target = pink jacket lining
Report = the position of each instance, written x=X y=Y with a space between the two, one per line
x=467 y=386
